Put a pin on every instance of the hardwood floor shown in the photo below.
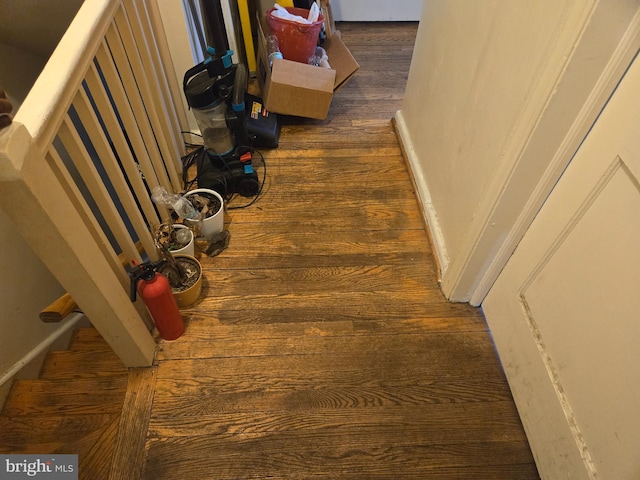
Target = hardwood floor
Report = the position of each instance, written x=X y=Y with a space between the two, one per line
x=73 y=408
x=322 y=346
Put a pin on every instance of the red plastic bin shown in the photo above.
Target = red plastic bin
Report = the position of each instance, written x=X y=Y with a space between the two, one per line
x=297 y=41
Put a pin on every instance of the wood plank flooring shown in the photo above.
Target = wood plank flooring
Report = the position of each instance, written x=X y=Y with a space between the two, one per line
x=322 y=346
x=74 y=408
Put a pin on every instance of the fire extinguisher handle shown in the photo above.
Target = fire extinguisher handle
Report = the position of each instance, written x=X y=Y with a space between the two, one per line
x=142 y=270
x=134 y=276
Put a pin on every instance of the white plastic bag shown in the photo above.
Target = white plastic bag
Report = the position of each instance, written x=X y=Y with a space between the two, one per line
x=281 y=12
x=181 y=205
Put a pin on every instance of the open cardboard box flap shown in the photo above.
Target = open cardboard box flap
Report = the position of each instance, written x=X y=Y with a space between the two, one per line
x=294 y=88
x=340 y=59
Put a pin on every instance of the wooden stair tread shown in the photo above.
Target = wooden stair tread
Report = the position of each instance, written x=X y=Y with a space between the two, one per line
x=88 y=339
x=77 y=363
x=99 y=456
x=74 y=407
x=94 y=444
x=77 y=396
x=17 y=432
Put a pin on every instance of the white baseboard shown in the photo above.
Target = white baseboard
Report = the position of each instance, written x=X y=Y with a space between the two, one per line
x=424 y=196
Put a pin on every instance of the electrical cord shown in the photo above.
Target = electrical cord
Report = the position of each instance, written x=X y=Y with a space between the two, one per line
x=190 y=144
x=199 y=153
x=187 y=162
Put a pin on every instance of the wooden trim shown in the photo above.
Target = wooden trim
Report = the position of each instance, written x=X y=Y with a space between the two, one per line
x=599 y=96
x=467 y=265
x=38 y=350
x=134 y=423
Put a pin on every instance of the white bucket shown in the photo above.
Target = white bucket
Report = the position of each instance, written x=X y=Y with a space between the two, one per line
x=210 y=225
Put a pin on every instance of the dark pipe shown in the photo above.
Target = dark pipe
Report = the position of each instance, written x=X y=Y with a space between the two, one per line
x=237 y=105
x=214 y=28
x=239 y=86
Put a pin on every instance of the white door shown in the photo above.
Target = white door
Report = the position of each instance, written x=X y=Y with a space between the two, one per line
x=565 y=311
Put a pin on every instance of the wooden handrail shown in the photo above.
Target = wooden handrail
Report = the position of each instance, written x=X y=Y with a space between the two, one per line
x=64 y=305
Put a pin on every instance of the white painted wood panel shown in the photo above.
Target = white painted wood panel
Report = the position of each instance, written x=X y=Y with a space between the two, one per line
x=565 y=311
x=499 y=97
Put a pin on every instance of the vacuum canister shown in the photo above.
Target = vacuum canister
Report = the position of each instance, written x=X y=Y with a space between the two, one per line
x=210 y=112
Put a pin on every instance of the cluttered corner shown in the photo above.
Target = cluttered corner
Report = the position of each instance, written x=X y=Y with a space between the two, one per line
x=301 y=61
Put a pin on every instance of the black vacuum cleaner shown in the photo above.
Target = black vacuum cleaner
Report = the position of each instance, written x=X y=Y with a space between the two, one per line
x=233 y=123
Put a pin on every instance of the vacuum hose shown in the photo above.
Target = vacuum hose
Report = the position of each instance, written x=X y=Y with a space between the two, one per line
x=239 y=86
x=237 y=104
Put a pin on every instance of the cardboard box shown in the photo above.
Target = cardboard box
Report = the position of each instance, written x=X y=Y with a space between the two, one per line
x=293 y=88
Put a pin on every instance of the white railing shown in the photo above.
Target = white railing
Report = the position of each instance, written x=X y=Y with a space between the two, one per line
x=99 y=129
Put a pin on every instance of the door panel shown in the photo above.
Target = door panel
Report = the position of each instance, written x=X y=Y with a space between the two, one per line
x=565 y=311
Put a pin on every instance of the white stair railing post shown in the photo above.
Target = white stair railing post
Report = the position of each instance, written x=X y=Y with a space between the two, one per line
x=44 y=214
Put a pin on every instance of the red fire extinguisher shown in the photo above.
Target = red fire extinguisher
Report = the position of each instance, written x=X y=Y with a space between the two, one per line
x=155 y=291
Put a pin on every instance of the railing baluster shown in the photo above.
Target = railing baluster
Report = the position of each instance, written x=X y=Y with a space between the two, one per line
x=110 y=119
x=110 y=163
x=129 y=59
x=48 y=219
x=130 y=122
x=90 y=222
x=141 y=29
x=99 y=130
x=123 y=70
x=91 y=177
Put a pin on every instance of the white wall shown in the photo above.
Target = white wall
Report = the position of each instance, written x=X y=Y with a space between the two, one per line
x=376 y=10
x=494 y=88
x=35 y=26
x=19 y=71
x=27 y=285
